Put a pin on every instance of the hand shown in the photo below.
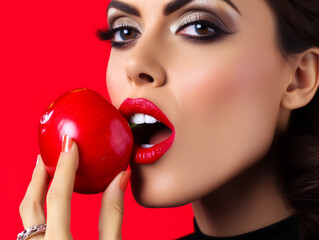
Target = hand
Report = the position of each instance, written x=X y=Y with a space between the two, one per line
x=59 y=199
x=111 y=214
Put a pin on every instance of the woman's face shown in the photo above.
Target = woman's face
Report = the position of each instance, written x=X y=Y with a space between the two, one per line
x=214 y=69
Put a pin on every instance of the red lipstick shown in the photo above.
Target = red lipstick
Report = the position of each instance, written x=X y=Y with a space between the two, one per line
x=141 y=105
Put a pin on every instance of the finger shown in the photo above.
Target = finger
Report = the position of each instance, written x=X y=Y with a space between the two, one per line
x=111 y=215
x=60 y=193
x=32 y=206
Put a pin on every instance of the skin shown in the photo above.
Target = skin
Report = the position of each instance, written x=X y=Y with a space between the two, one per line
x=58 y=200
x=216 y=112
x=226 y=98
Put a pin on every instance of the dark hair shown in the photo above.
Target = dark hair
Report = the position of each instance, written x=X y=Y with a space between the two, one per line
x=297 y=28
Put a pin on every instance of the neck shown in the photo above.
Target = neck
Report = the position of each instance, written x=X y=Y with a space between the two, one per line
x=247 y=203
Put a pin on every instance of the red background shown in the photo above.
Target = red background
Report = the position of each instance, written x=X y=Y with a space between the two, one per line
x=46 y=49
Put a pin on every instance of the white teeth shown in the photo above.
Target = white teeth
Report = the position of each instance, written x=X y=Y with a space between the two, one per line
x=140 y=118
x=149 y=119
x=147 y=145
x=137 y=118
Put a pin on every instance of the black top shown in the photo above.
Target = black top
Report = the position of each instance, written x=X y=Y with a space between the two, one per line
x=286 y=229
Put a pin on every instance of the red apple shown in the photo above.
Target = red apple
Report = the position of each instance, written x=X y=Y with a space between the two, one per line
x=103 y=136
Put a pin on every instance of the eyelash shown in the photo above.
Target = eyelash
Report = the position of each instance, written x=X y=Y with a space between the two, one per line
x=108 y=33
x=218 y=31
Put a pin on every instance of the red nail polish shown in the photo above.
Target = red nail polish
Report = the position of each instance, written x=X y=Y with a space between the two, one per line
x=125 y=179
x=66 y=144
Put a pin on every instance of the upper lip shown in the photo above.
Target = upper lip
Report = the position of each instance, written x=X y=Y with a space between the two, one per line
x=141 y=105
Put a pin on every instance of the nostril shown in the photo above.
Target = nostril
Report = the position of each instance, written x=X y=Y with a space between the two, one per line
x=147 y=77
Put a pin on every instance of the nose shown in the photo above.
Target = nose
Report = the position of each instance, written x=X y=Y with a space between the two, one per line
x=143 y=65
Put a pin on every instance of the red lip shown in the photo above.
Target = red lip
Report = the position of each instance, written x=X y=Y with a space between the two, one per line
x=141 y=105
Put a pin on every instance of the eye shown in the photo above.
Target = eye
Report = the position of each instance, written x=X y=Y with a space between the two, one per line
x=120 y=33
x=198 y=29
x=124 y=34
x=201 y=31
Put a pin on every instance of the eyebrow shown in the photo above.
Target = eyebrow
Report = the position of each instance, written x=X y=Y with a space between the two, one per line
x=174 y=5
x=171 y=7
x=124 y=7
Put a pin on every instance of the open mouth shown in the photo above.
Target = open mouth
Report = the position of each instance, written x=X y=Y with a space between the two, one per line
x=153 y=133
x=147 y=130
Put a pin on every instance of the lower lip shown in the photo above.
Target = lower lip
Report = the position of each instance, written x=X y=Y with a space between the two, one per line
x=152 y=154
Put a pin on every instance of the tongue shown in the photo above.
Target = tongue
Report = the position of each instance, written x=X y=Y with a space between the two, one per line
x=160 y=136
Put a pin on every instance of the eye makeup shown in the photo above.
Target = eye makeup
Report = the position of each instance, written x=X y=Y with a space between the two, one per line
x=198 y=14
x=199 y=30
x=202 y=22
x=120 y=27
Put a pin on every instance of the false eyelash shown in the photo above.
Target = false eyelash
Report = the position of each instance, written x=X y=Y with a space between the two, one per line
x=105 y=34
x=210 y=24
x=219 y=32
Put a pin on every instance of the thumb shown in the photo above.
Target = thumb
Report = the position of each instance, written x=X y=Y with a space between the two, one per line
x=111 y=214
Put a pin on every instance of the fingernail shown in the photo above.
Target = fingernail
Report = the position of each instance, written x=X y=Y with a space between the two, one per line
x=125 y=179
x=66 y=144
x=38 y=158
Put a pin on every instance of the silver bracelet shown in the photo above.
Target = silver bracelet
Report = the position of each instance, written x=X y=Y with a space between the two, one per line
x=31 y=231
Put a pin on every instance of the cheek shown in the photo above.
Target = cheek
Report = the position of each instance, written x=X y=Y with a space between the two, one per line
x=219 y=87
x=243 y=90
x=230 y=109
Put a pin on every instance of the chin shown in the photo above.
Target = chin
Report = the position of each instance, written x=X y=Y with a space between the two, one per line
x=151 y=199
x=155 y=194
